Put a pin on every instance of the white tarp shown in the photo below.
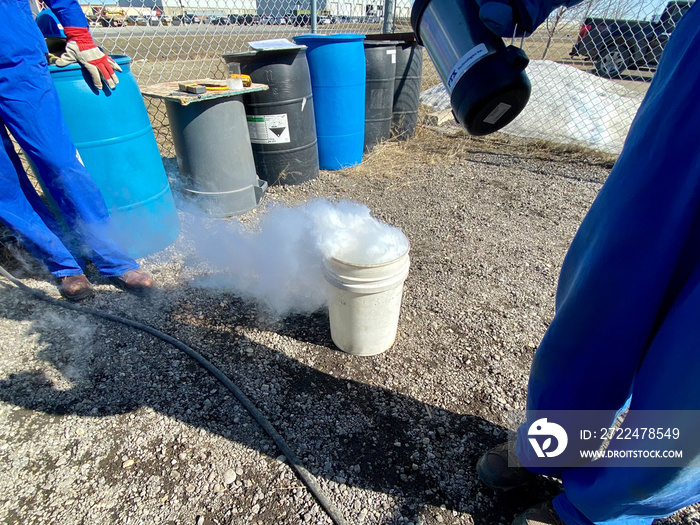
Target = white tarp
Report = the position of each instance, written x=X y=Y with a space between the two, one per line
x=567 y=106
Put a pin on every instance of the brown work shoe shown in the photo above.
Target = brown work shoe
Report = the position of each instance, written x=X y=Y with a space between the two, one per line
x=501 y=469
x=75 y=287
x=135 y=281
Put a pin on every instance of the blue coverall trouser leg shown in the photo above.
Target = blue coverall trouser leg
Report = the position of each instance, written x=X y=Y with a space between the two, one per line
x=627 y=318
x=29 y=108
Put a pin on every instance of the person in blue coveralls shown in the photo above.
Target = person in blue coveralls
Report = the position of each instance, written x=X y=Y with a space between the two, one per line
x=626 y=329
x=30 y=113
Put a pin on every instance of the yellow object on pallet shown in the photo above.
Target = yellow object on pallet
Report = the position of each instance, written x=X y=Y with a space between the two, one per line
x=176 y=91
x=247 y=82
x=197 y=88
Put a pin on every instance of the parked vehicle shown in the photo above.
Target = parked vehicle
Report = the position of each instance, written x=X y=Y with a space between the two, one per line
x=301 y=20
x=154 y=20
x=244 y=20
x=616 y=45
x=221 y=21
x=134 y=20
x=185 y=19
x=107 y=16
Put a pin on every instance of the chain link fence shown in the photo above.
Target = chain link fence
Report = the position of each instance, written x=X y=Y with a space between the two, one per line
x=590 y=65
x=186 y=41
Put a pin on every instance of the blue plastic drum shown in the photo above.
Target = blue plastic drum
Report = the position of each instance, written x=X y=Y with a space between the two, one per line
x=114 y=137
x=337 y=67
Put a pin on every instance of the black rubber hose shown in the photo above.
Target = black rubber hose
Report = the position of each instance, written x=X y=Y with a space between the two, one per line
x=294 y=461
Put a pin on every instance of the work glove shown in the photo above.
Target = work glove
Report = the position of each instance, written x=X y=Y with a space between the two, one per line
x=508 y=18
x=81 y=48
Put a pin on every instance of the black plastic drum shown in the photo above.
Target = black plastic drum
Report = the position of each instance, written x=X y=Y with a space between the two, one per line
x=380 y=60
x=409 y=73
x=280 y=120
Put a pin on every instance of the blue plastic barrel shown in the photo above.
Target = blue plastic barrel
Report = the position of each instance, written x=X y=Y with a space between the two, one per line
x=114 y=137
x=337 y=67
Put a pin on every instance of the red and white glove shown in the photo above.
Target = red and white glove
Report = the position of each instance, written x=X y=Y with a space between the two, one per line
x=81 y=48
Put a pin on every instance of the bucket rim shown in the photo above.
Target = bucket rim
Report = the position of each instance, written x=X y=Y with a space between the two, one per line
x=367 y=287
x=375 y=265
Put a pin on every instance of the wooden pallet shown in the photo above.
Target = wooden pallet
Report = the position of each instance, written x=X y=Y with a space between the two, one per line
x=169 y=91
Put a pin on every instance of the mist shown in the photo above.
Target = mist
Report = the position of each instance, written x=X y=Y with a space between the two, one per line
x=277 y=261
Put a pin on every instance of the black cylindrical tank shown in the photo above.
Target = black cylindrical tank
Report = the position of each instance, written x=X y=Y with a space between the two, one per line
x=380 y=60
x=409 y=72
x=281 y=120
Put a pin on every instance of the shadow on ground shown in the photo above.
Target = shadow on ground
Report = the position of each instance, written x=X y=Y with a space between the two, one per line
x=349 y=431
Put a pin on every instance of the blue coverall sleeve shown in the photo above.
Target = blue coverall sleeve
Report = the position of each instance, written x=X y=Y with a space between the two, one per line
x=634 y=252
x=68 y=12
x=504 y=17
x=627 y=304
x=534 y=12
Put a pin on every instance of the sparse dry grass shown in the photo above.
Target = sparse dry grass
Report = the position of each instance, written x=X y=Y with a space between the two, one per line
x=544 y=149
x=395 y=157
x=434 y=146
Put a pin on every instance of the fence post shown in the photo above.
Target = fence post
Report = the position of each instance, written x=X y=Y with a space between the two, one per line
x=314 y=22
x=388 y=26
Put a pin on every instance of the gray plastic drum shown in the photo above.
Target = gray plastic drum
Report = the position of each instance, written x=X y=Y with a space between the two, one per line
x=214 y=156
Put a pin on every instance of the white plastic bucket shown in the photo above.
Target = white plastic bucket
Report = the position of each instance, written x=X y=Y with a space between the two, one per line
x=364 y=302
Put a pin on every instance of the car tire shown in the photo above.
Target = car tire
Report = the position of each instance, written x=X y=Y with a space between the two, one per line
x=613 y=62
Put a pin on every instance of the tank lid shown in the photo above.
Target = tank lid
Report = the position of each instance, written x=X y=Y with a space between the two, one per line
x=401 y=37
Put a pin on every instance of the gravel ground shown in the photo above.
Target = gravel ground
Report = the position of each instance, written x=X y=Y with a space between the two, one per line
x=103 y=424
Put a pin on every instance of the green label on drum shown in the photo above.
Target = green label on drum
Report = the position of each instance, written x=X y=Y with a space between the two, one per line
x=268 y=129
